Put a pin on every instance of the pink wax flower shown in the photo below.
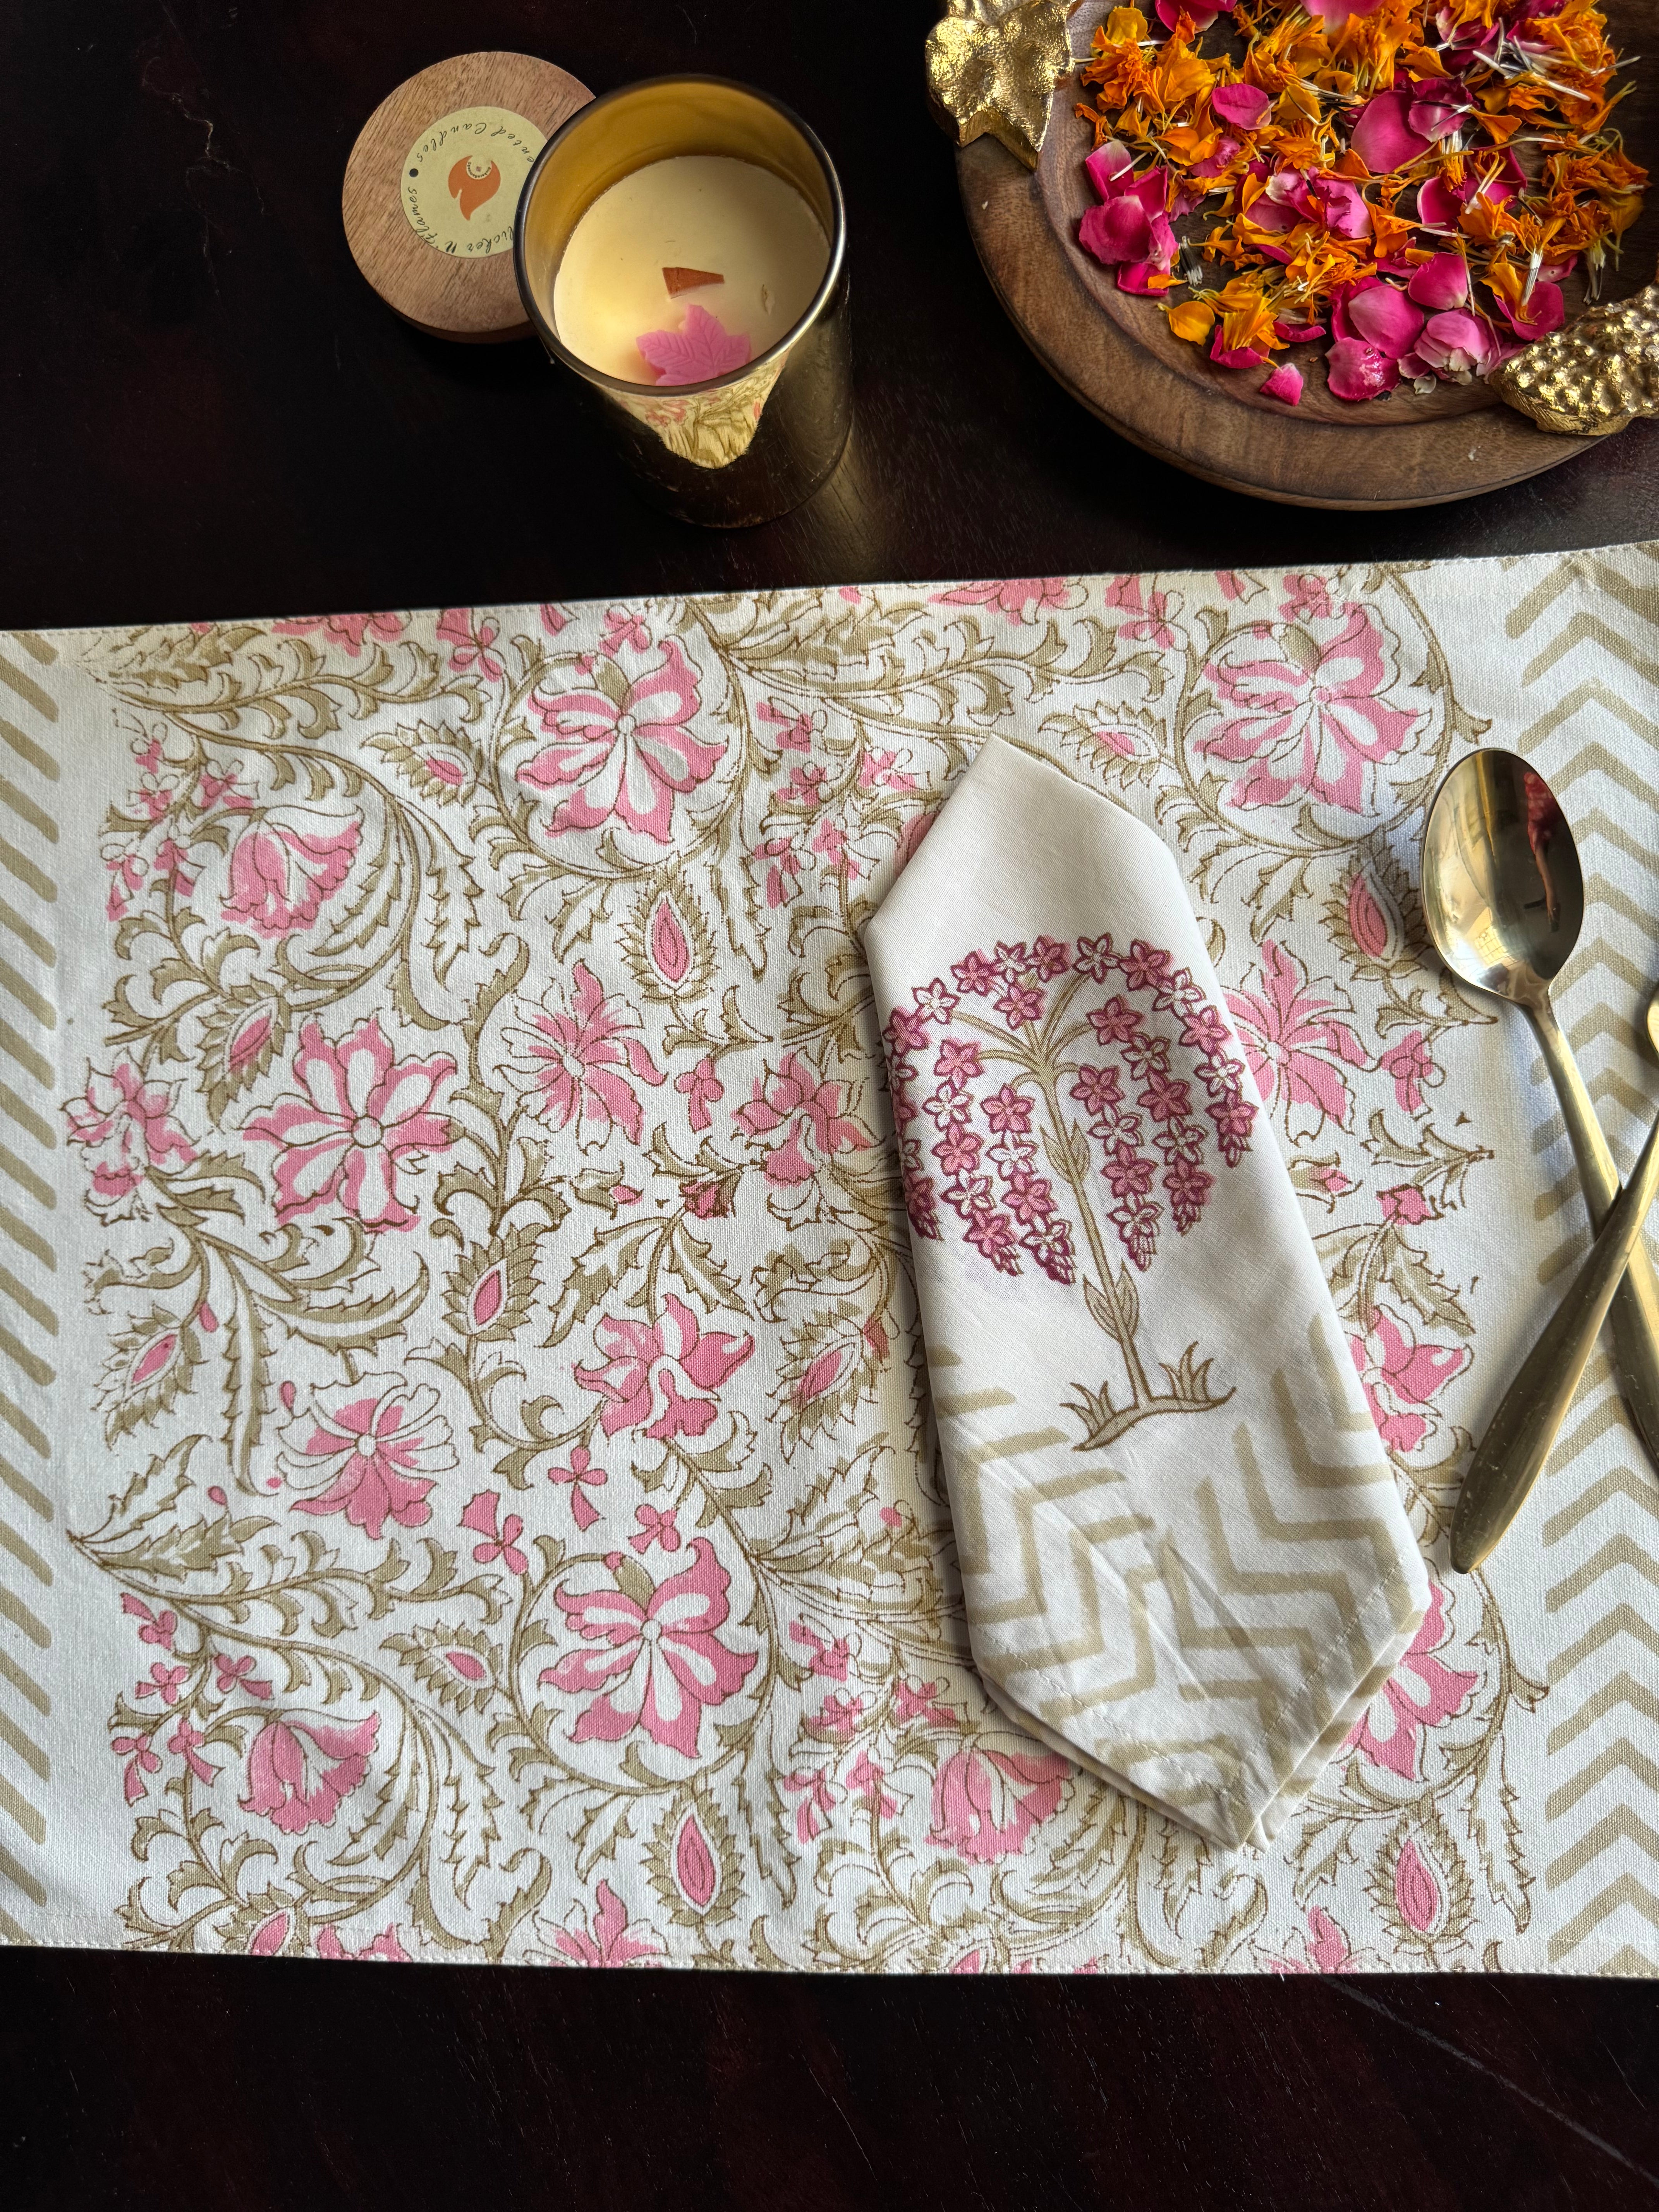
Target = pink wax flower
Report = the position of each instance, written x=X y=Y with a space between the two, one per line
x=700 y=348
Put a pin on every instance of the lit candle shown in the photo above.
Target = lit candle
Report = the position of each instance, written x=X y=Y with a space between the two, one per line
x=708 y=258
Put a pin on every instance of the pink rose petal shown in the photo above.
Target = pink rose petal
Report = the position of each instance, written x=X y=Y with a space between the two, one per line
x=1245 y=105
x=1284 y=383
x=1441 y=282
x=1354 y=370
x=1116 y=230
x=1384 y=318
x=1458 y=342
x=1108 y=167
x=1342 y=205
x=1382 y=137
x=1544 y=312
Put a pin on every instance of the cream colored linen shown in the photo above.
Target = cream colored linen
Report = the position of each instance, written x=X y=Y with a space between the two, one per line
x=1184 y=1558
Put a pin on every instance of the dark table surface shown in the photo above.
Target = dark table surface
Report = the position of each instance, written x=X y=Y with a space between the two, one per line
x=206 y=413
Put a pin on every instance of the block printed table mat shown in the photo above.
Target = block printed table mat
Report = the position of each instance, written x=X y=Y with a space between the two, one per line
x=467 y=1488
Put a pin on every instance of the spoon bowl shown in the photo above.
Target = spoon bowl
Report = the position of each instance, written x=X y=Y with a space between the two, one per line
x=1503 y=891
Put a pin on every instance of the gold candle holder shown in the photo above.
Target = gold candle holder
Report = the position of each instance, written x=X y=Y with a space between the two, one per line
x=742 y=447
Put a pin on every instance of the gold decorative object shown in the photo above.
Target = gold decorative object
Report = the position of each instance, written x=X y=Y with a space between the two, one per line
x=1596 y=376
x=993 y=66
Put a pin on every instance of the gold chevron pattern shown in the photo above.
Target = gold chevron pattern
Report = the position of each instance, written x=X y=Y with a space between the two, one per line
x=1587 y=638
x=28 y=1290
x=1096 y=1622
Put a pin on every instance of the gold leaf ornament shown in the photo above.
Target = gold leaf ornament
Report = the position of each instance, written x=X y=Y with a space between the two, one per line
x=1593 y=377
x=993 y=66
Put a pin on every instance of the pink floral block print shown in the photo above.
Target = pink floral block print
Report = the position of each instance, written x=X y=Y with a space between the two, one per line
x=574 y=1061
x=1295 y=1041
x=623 y=749
x=127 y=1127
x=986 y=1803
x=361 y=1115
x=514 y=1495
x=651 y=1656
x=1421 y=1693
x=371 y=1450
x=642 y=1370
x=1047 y=1029
x=1310 y=724
x=300 y=1770
x=282 y=867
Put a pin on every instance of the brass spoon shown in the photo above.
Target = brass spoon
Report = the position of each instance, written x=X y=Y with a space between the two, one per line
x=1504 y=900
x=1510 y=1456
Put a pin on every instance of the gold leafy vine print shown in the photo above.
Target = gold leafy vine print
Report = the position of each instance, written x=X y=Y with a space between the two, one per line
x=529 y=1550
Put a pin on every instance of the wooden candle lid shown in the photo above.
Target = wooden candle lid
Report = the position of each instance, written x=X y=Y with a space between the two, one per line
x=433 y=181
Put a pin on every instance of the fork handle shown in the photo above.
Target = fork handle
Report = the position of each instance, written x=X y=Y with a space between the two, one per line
x=1510 y=1456
x=1634 y=1320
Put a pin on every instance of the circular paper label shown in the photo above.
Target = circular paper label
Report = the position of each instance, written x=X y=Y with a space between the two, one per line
x=462 y=179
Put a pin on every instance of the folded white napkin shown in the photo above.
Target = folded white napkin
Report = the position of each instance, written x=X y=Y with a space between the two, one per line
x=1185 y=1562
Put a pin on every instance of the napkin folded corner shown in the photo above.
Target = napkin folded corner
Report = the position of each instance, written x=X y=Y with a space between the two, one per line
x=1185 y=1560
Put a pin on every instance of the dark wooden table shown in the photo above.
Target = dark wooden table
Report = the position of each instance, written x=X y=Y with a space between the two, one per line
x=206 y=413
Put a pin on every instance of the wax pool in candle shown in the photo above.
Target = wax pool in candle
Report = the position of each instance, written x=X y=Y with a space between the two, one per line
x=702 y=215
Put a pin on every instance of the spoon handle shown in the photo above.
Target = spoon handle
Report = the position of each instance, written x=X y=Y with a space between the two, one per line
x=1510 y=1456
x=1634 y=1326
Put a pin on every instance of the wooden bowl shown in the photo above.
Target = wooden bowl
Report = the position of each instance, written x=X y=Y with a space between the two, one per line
x=1114 y=352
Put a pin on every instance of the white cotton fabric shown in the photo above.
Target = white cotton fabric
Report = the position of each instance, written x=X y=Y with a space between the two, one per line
x=1197 y=1603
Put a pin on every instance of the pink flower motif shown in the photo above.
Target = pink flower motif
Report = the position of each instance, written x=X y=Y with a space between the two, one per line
x=553 y=618
x=283 y=866
x=1420 y=1693
x=606 y=1941
x=624 y=748
x=838 y=1716
x=660 y=1661
x=1398 y=1374
x=795 y=730
x=141 y=1760
x=372 y=1451
x=1411 y=1067
x=128 y=1127
x=620 y=628
x=917 y=1701
x=1021 y=596
x=1146 y=614
x=158 y=1628
x=165 y=1682
x=571 y=1064
x=701 y=1087
x=348 y=630
x=701 y=349
x=383 y=1946
x=1294 y=1042
x=471 y=640
x=581 y=1471
x=867 y=1780
x=500 y=1542
x=300 y=1769
x=360 y=1115
x=1405 y=1202
x=640 y=1362
x=829 y=1659
x=238 y=1674
x=1328 y=1949
x=986 y=1803
x=795 y=1098
x=183 y=1741
x=1312 y=729
x=813 y=1813
x=173 y=861
x=655 y=1527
